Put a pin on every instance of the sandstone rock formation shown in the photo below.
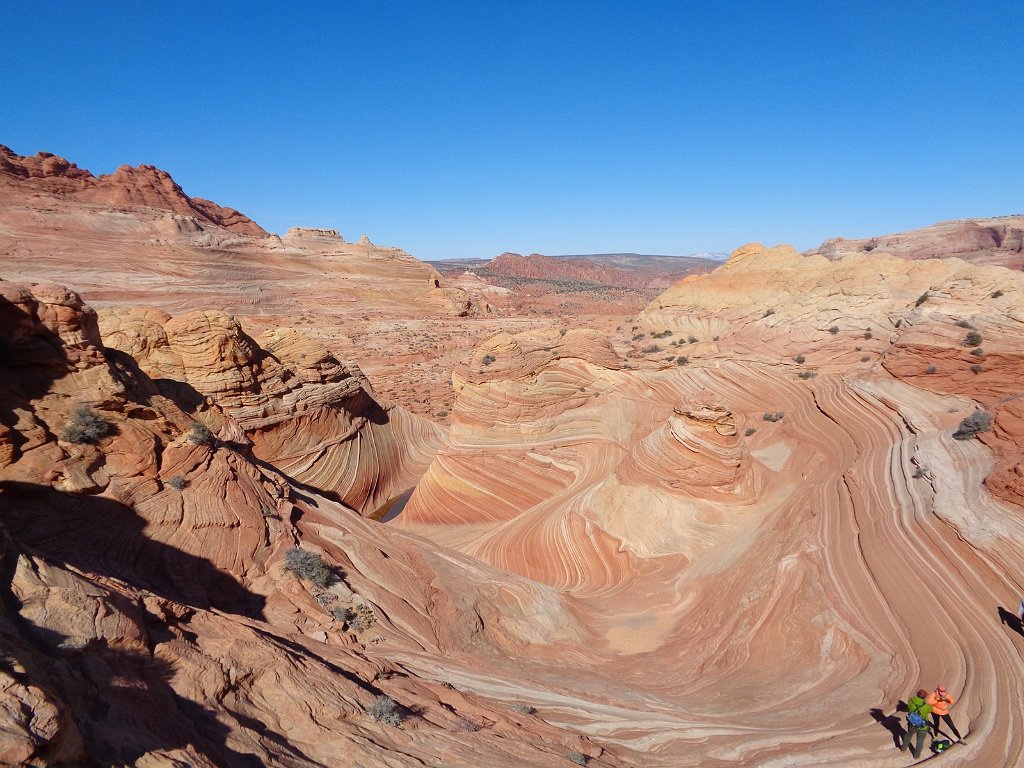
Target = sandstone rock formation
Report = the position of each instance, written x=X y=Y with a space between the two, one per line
x=146 y=619
x=144 y=186
x=981 y=241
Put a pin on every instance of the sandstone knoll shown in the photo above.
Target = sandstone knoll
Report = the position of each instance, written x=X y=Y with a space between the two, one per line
x=146 y=619
x=781 y=539
x=998 y=240
x=144 y=186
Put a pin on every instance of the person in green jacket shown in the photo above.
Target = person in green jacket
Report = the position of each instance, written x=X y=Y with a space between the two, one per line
x=918 y=711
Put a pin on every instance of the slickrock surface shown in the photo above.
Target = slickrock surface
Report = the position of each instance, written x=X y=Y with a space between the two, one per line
x=146 y=619
x=775 y=561
x=981 y=241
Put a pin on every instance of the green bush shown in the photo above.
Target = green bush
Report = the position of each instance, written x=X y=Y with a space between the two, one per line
x=308 y=565
x=86 y=426
x=979 y=421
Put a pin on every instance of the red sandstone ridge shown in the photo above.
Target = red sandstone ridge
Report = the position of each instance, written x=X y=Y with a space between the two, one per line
x=144 y=186
x=580 y=270
x=998 y=240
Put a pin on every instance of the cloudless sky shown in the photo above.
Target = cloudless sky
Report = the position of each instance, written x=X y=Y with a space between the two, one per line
x=459 y=129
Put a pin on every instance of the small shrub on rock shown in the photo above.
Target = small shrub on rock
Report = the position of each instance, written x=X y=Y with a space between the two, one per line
x=921 y=299
x=86 y=426
x=308 y=565
x=834 y=330
x=639 y=336
x=692 y=339
x=867 y=334
x=997 y=294
x=651 y=349
x=524 y=709
x=979 y=421
x=799 y=359
x=806 y=375
x=972 y=339
x=750 y=431
x=385 y=710
x=178 y=483
x=200 y=434
x=768 y=312
x=977 y=351
x=976 y=369
x=963 y=324
x=488 y=359
x=577 y=757
x=930 y=369
x=682 y=360
x=864 y=359
x=776 y=416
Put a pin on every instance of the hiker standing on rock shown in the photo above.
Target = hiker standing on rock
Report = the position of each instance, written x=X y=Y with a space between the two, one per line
x=918 y=710
x=940 y=702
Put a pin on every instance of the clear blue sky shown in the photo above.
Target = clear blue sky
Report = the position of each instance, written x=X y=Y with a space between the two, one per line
x=466 y=129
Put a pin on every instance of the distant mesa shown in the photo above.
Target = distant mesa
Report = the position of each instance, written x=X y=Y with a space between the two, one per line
x=142 y=186
x=315 y=232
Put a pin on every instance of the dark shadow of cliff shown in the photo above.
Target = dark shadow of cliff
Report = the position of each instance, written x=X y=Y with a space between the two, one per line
x=115 y=705
x=101 y=536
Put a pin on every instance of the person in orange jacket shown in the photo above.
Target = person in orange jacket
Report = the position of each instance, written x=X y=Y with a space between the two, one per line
x=940 y=702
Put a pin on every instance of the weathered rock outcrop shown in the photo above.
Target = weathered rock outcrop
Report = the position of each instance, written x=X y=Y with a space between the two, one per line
x=144 y=186
x=980 y=241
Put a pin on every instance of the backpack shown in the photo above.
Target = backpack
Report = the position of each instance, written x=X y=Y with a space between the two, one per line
x=914 y=720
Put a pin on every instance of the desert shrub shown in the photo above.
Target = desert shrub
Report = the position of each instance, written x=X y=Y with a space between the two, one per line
x=561 y=331
x=997 y=294
x=898 y=323
x=661 y=335
x=682 y=360
x=977 y=351
x=750 y=431
x=865 y=358
x=178 y=483
x=692 y=339
x=976 y=369
x=650 y=349
x=834 y=330
x=638 y=336
x=920 y=472
x=524 y=709
x=776 y=416
x=488 y=359
x=86 y=426
x=857 y=349
x=930 y=369
x=714 y=338
x=768 y=312
x=979 y=421
x=972 y=339
x=308 y=565
x=200 y=434
x=577 y=757
x=806 y=375
x=867 y=334
x=799 y=359
x=963 y=324
x=384 y=709
x=921 y=299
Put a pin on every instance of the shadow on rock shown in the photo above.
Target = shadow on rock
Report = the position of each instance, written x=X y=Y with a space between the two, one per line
x=891 y=723
x=101 y=536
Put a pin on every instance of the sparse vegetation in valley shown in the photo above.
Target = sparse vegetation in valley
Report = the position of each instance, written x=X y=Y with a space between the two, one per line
x=86 y=427
x=309 y=566
x=384 y=709
x=979 y=421
x=773 y=416
x=200 y=434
